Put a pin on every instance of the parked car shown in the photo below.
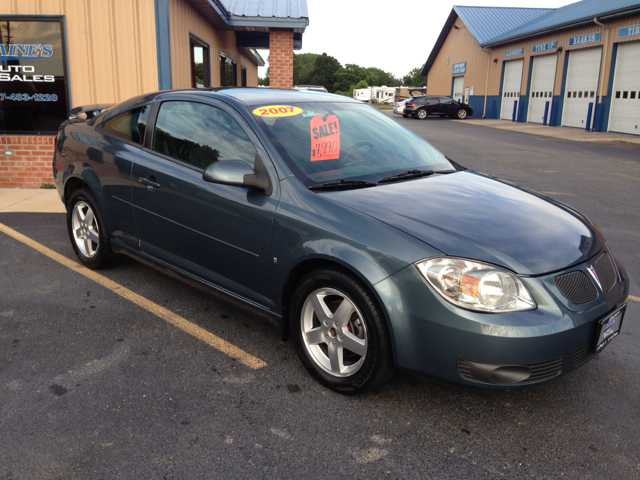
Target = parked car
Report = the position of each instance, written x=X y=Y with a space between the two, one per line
x=425 y=105
x=310 y=88
x=359 y=240
x=398 y=108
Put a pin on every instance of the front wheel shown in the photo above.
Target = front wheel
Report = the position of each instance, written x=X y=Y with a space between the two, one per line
x=87 y=231
x=462 y=114
x=339 y=332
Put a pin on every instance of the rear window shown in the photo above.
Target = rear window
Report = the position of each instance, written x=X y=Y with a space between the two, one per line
x=333 y=141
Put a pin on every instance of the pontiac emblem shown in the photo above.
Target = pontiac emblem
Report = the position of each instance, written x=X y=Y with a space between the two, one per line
x=593 y=273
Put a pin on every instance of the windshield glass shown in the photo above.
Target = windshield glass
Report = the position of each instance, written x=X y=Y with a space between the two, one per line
x=326 y=142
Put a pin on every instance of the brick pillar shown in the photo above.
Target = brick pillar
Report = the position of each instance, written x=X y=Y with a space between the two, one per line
x=281 y=57
x=26 y=160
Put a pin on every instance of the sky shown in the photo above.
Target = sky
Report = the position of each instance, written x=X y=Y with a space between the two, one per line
x=395 y=36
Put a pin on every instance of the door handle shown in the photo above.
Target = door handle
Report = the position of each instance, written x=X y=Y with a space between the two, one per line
x=150 y=183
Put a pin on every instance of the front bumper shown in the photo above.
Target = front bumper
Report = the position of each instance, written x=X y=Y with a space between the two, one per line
x=433 y=338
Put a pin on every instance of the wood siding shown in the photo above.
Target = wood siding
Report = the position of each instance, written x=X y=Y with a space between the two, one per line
x=461 y=46
x=111 y=45
x=183 y=20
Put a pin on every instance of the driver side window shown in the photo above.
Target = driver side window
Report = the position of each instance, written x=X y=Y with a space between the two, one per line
x=200 y=134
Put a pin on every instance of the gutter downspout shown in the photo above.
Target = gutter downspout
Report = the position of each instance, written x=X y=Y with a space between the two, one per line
x=605 y=55
x=486 y=83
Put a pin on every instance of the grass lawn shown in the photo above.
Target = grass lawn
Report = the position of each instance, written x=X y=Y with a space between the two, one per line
x=383 y=106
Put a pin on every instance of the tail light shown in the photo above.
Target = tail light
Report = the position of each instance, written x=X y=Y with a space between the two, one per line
x=410 y=104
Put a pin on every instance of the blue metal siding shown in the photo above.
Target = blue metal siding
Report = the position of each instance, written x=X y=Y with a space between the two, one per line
x=163 y=45
x=267 y=8
x=486 y=23
x=586 y=9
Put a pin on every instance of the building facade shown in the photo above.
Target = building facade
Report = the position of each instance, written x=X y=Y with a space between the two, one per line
x=60 y=54
x=576 y=66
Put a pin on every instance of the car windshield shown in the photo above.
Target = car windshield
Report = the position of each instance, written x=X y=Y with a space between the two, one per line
x=327 y=142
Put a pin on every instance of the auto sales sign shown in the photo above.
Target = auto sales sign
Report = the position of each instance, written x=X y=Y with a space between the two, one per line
x=33 y=75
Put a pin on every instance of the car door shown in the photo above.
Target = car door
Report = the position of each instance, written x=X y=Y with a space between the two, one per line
x=448 y=106
x=432 y=104
x=218 y=233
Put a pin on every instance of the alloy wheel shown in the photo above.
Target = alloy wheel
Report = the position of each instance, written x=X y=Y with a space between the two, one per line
x=85 y=229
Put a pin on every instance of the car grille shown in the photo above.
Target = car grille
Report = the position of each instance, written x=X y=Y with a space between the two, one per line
x=582 y=355
x=576 y=286
x=540 y=371
x=605 y=271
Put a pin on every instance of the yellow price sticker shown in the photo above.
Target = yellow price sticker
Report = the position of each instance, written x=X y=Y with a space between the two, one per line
x=277 y=111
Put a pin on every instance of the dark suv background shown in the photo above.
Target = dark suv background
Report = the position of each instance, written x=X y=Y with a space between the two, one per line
x=425 y=105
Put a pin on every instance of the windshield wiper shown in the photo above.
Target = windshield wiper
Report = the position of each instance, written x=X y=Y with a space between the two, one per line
x=342 y=185
x=411 y=174
x=406 y=175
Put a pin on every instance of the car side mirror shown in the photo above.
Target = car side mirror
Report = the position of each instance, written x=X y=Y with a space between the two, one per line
x=239 y=174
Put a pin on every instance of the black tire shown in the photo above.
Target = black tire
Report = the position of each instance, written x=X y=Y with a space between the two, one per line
x=421 y=114
x=90 y=239
x=461 y=114
x=365 y=323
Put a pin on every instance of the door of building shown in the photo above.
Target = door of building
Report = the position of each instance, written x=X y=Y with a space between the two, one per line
x=543 y=79
x=581 y=87
x=511 y=84
x=458 y=89
x=625 y=97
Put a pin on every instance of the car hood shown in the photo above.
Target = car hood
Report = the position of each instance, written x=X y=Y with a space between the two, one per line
x=468 y=215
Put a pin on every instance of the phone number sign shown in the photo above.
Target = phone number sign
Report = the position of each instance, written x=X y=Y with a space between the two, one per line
x=33 y=75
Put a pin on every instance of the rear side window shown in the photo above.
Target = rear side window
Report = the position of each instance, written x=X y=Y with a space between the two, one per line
x=200 y=134
x=129 y=125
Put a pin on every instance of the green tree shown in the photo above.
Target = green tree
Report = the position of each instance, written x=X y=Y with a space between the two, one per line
x=324 y=70
x=347 y=76
x=264 y=82
x=303 y=64
x=414 y=79
x=378 y=77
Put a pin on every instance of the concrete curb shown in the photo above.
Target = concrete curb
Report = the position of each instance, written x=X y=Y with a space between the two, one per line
x=30 y=200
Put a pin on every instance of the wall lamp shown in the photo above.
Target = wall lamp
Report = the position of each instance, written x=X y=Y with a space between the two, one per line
x=559 y=50
x=456 y=27
x=495 y=60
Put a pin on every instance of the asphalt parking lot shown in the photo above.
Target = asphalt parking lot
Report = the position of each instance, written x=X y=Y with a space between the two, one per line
x=93 y=385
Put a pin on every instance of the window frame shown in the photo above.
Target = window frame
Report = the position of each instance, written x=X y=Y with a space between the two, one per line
x=142 y=143
x=243 y=76
x=195 y=41
x=223 y=70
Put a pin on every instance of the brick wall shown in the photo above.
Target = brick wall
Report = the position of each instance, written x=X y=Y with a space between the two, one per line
x=31 y=163
x=280 y=57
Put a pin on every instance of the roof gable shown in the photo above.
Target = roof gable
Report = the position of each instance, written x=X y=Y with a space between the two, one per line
x=486 y=23
x=564 y=17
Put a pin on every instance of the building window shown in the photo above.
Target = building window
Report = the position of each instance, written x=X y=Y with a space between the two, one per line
x=243 y=76
x=228 y=72
x=200 y=68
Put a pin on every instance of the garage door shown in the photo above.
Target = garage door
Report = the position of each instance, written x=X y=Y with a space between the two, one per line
x=625 y=102
x=581 y=87
x=543 y=79
x=458 y=89
x=511 y=84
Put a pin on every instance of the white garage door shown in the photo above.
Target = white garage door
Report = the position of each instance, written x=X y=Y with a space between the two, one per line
x=511 y=84
x=625 y=102
x=543 y=79
x=458 y=89
x=581 y=86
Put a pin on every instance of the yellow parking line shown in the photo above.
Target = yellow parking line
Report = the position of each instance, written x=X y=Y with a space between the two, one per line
x=635 y=299
x=175 y=320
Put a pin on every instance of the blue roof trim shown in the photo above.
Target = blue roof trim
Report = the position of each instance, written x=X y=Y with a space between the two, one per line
x=575 y=14
x=486 y=23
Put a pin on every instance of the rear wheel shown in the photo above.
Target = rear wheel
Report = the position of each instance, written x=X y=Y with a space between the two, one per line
x=87 y=231
x=339 y=332
x=422 y=114
x=461 y=114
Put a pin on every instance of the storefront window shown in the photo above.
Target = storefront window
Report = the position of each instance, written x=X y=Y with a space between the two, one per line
x=243 y=76
x=200 y=69
x=33 y=75
x=228 y=72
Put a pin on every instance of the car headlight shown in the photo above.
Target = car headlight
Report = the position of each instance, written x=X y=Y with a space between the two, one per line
x=475 y=285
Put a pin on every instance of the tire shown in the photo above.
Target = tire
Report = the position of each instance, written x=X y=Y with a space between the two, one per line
x=461 y=114
x=422 y=114
x=88 y=232
x=339 y=332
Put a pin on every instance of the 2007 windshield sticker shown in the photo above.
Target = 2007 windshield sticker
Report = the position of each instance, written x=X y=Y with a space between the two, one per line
x=277 y=111
x=325 y=137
